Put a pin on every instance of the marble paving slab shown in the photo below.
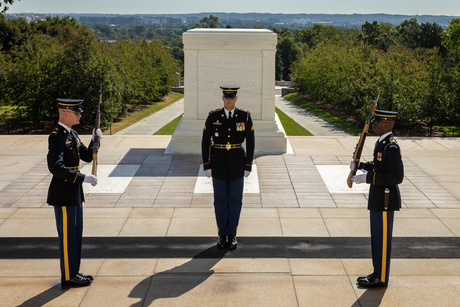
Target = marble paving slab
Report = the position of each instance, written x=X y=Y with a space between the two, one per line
x=335 y=178
x=204 y=184
x=110 y=178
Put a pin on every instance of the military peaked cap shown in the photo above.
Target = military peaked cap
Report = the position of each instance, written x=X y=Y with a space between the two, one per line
x=384 y=115
x=71 y=104
x=230 y=91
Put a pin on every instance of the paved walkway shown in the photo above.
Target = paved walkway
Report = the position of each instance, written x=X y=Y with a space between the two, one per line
x=153 y=123
x=153 y=244
x=314 y=124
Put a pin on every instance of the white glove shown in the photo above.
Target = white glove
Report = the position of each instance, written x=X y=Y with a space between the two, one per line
x=246 y=173
x=99 y=134
x=91 y=179
x=352 y=165
x=208 y=173
x=361 y=178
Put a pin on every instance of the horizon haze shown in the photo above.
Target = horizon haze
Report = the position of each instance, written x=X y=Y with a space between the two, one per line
x=394 y=7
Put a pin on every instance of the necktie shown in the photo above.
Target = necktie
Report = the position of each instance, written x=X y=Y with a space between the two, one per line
x=229 y=115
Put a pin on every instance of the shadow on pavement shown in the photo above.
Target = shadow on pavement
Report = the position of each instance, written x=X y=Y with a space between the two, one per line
x=370 y=298
x=44 y=297
x=178 y=280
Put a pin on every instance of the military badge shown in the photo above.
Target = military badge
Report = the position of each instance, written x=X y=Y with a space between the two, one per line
x=216 y=134
x=379 y=156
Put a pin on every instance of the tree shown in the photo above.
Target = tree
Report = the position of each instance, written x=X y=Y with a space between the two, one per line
x=377 y=34
x=408 y=33
x=5 y=7
x=451 y=41
x=431 y=36
x=287 y=51
x=205 y=22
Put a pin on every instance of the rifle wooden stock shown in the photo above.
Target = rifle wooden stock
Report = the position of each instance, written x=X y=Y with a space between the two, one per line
x=360 y=145
x=96 y=138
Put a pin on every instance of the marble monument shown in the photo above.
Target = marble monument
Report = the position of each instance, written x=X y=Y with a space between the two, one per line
x=215 y=57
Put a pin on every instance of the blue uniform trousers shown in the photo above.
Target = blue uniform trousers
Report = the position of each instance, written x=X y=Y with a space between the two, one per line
x=69 y=223
x=381 y=236
x=228 y=200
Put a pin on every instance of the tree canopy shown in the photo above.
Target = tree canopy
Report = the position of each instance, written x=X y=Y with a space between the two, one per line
x=56 y=58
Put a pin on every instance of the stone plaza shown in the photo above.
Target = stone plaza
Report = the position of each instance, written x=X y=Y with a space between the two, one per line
x=150 y=241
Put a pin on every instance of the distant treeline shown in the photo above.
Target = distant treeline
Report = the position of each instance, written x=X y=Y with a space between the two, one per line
x=56 y=58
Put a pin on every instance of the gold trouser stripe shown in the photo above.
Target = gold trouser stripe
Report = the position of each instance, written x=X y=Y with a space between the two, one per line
x=64 y=243
x=384 y=247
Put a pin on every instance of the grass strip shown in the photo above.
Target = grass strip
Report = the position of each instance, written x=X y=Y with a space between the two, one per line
x=290 y=126
x=134 y=118
x=453 y=130
x=330 y=118
x=169 y=128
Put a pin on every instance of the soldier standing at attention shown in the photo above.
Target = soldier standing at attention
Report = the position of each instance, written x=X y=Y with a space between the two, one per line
x=384 y=174
x=225 y=160
x=65 y=193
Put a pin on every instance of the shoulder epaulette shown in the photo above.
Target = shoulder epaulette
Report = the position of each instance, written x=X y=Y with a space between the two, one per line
x=243 y=110
x=55 y=131
x=392 y=141
x=216 y=110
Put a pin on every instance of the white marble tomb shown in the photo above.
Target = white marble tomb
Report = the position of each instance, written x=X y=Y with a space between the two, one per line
x=215 y=57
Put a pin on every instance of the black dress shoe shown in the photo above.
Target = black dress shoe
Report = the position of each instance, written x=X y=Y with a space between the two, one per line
x=364 y=277
x=232 y=243
x=77 y=281
x=371 y=282
x=222 y=242
x=85 y=276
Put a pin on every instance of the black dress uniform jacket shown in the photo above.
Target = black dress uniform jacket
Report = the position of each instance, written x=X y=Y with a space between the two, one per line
x=228 y=164
x=64 y=154
x=385 y=171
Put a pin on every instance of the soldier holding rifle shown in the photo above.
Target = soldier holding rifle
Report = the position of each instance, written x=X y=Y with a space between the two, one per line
x=383 y=174
x=65 y=193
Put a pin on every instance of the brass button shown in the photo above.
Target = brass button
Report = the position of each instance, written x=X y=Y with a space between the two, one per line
x=229 y=136
x=229 y=129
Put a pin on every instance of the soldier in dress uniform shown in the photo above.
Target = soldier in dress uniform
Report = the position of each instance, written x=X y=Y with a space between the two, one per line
x=65 y=194
x=384 y=174
x=226 y=161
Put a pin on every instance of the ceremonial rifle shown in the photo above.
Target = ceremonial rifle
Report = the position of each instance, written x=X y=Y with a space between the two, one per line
x=96 y=138
x=360 y=145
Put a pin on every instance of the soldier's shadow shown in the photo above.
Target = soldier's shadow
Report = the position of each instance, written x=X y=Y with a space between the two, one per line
x=178 y=280
x=371 y=298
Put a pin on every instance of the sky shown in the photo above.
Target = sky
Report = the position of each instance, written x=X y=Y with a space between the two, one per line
x=403 y=7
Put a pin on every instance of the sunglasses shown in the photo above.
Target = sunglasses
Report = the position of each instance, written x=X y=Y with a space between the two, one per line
x=74 y=112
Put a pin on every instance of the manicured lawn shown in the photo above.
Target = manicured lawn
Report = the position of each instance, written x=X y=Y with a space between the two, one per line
x=134 y=118
x=169 y=128
x=290 y=126
x=452 y=130
x=336 y=121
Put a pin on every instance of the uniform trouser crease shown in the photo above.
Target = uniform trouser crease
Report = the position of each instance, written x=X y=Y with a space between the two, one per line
x=228 y=200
